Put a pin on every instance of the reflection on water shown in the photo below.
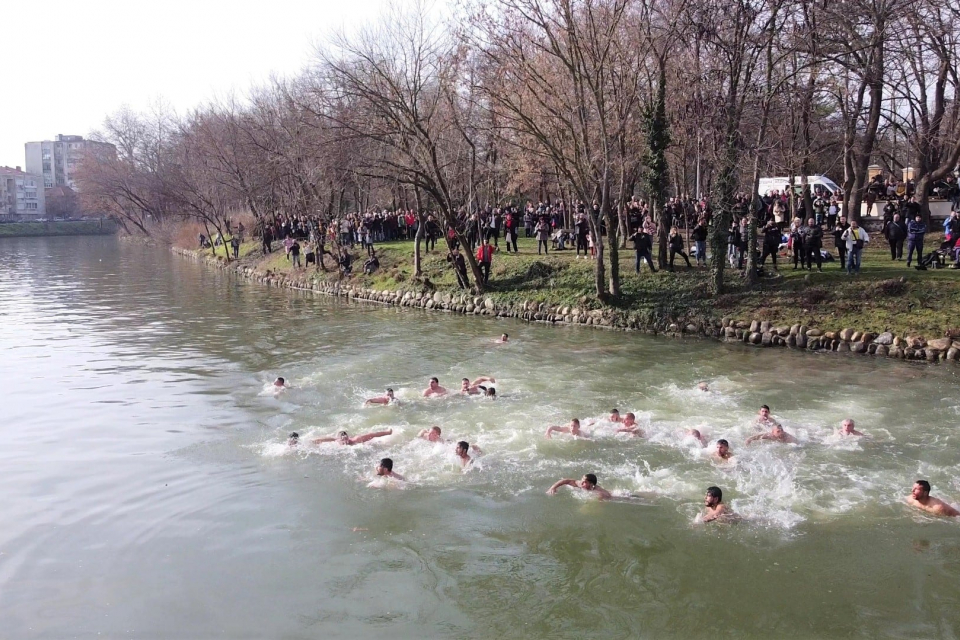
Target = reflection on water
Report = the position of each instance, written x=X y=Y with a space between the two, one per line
x=149 y=489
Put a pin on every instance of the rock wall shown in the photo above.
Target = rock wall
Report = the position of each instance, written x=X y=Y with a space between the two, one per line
x=759 y=333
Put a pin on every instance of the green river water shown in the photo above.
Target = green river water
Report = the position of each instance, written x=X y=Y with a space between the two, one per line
x=148 y=491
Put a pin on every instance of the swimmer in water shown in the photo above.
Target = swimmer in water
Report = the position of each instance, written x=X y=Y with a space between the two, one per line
x=764 y=419
x=385 y=399
x=703 y=386
x=280 y=384
x=431 y=435
x=490 y=392
x=776 y=433
x=385 y=470
x=847 y=428
x=343 y=437
x=573 y=429
x=695 y=433
x=504 y=338
x=462 y=456
x=615 y=416
x=434 y=389
x=714 y=509
x=921 y=499
x=294 y=439
x=630 y=426
x=723 y=450
x=474 y=388
x=587 y=483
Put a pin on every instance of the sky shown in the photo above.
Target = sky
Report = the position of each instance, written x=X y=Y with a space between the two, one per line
x=68 y=64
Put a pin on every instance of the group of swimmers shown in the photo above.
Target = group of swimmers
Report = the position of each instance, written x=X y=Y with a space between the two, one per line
x=714 y=507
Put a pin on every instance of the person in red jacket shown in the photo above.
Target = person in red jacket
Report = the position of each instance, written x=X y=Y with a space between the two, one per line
x=485 y=258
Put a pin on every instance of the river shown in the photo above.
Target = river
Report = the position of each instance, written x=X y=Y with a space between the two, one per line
x=148 y=491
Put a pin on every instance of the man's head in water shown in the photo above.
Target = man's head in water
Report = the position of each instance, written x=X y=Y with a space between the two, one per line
x=723 y=448
x=921 y=490
x=504 y=338
x=385 y=467
x=491 y=392
x=390 y=393
x=434 y=434
x=714 y=497
x=462 y=448
x=703 y=386
x=294 y=439
x=575 y=427
x=777 y=431
x=764 y=412
x=279 y=382
x=614 y=415
x=434 y=383
x=847 y=426
x=343 y=437
x=464 y=384
x=629 y=420
x=588 y=481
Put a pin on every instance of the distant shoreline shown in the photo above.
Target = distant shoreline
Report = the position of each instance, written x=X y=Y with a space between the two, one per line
x=57 y=228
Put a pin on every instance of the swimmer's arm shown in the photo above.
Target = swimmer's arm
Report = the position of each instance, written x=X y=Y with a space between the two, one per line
x=370 y=436
x=476 y=449
x=557 y=429
x=560 y=483
x=721 y=511
x=603 y=494
x=378 y=401
x=483 y=379
x=322 y=440
x=759 y=436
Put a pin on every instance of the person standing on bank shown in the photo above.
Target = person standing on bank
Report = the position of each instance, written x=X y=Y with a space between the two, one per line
x=675 y=241
x=813 y=242
x=855 y=239
x=915 y=232
x=840 y=243
x=542 y=232
x=771 y=243
x=896 y=233
x=643 y=245
x=485 y=258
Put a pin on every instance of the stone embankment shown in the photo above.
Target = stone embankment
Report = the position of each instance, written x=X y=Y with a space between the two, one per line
x=759 y=333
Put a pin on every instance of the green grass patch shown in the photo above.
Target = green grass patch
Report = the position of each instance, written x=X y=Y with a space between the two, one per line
x=885 y=296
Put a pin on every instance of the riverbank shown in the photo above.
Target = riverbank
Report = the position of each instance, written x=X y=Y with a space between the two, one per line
x=888 y=310
x=57 y=228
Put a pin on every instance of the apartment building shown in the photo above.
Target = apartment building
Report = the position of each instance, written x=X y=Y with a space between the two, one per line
x=21 y=194
x=57 y=160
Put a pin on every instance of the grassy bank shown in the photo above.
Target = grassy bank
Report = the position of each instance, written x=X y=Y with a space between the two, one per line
x=58 y=228
x=886 y=296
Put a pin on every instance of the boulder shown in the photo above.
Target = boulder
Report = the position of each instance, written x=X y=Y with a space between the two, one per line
x=846 y=335
x=882 y=350
x=830 y=335
x=897 y=352
x=488 y=303
x=953 y=353
x=886 y=338
x=814 y=333
x=690 y=328
x=868 y=337
x=856 y=336
x=933 y=355
x=843 y=347
x=916 y=342
x=730 y=332
x=803 y=330
x=795 y=330
x=871 y=348
x=858 y=347
x=766 y=339
x=783 y=332
x=765 y=326
x=755 y=338
x=792 y=340
x=813 y=343
x=754 y=327
x=726 y=321
x=801 y=341
x=940 y=344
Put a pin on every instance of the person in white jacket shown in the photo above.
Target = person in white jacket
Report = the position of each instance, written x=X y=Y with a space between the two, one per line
x=856 y=238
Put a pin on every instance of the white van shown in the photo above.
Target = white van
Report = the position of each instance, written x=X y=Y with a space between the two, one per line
x=817 y=184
